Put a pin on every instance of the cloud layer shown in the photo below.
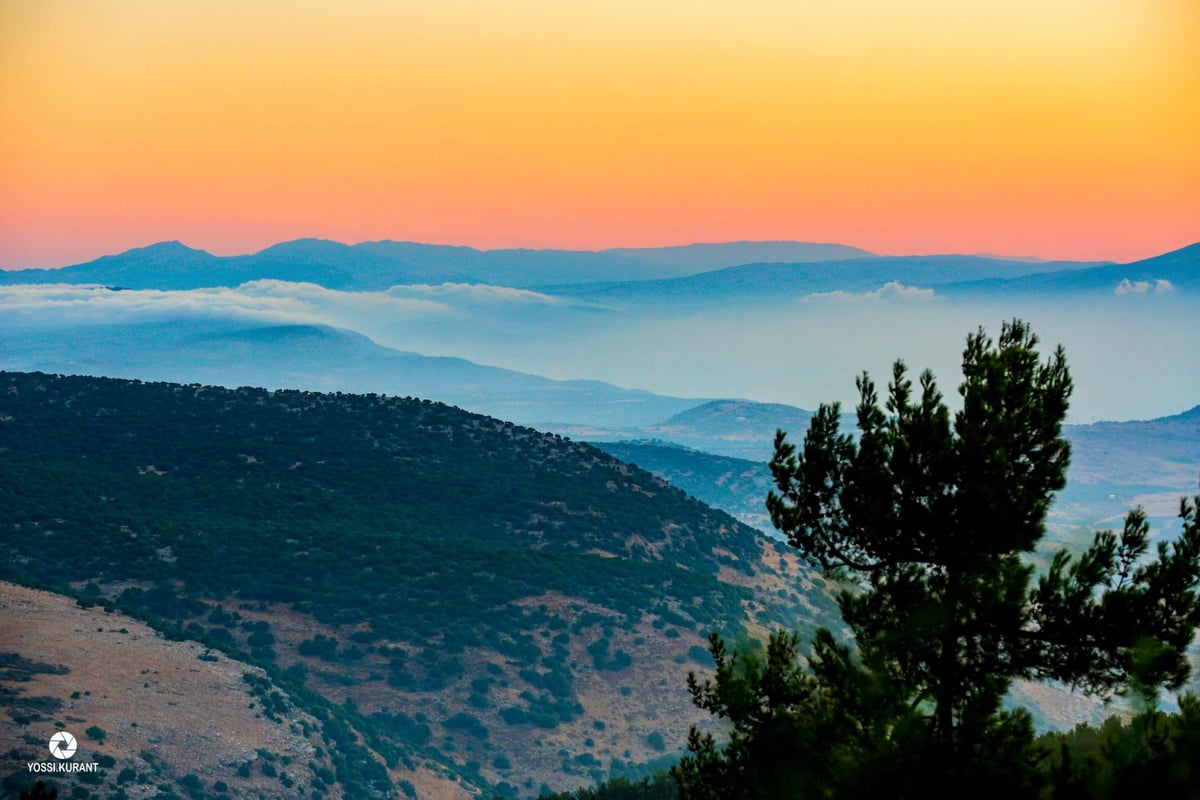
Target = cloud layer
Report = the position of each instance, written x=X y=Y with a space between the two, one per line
x=264 y=301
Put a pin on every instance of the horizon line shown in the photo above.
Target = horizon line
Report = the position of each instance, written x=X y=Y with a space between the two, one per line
x=1029 y=257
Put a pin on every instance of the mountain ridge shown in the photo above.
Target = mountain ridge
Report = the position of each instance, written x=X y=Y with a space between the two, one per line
x=697 y=271
x=376 y=265
x=782 y=283
x=325 y=358
x=1180 y=268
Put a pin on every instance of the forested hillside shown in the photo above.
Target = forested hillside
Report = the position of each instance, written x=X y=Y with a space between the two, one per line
x=736 y=485
x=511 y=608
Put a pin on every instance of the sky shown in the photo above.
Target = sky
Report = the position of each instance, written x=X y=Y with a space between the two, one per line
x=1055 y=128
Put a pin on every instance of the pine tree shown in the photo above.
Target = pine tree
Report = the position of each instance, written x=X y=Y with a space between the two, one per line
x=929 y=519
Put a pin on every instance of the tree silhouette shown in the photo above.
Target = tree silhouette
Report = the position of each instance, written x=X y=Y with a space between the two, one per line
x=929 y=519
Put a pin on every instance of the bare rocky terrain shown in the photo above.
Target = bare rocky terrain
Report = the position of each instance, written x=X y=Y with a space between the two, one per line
x=166 y=710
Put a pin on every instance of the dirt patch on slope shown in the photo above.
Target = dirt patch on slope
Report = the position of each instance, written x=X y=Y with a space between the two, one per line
x=164 y=712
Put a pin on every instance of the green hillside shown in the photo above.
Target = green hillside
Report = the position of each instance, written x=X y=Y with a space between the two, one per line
x=475 y=595
x=736 y=485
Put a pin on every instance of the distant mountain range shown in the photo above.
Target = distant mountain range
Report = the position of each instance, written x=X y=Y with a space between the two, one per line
x=321 y=358
x=373 y=266
x=1117 y=465
x=950 y=275
x=785 y=282
x=697 y=274
x=1114 y=465
x=738 y=429
x=1180 y=269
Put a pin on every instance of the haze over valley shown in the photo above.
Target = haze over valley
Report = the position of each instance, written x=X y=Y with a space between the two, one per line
x=782 y=332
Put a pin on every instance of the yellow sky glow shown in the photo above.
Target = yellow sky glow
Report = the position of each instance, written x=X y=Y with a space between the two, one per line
x=1063 y=128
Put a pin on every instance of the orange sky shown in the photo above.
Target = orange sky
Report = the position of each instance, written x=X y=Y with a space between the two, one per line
x=1059 y=128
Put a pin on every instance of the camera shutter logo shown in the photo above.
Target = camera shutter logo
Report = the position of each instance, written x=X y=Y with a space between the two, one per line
x=63 y=745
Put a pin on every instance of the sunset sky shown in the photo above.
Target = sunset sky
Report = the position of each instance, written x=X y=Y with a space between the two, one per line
x=1057 y=128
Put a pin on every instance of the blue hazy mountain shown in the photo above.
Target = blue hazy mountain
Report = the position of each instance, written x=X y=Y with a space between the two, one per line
x=696 y=274
x=737 y=428
x=321 y=358
x=735 y=485
x=690 y=276
x=1180 y=269
x=952 y=275
x=1114 y=465
x=786 y=282
x=742 y=430
x=378 y=265
x=172 y=260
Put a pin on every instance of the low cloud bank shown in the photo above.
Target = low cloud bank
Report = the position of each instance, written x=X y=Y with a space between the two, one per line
x=271 y=301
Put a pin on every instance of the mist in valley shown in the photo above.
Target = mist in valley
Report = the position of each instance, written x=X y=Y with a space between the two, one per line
x=1128 y=352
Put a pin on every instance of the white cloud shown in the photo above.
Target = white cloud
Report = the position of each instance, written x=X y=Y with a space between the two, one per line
x=450 y=319
x=318 y=298
x=892 y=290
x=64 y=303
x=270 y=301
x=481 y=293
x=1159 y=286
